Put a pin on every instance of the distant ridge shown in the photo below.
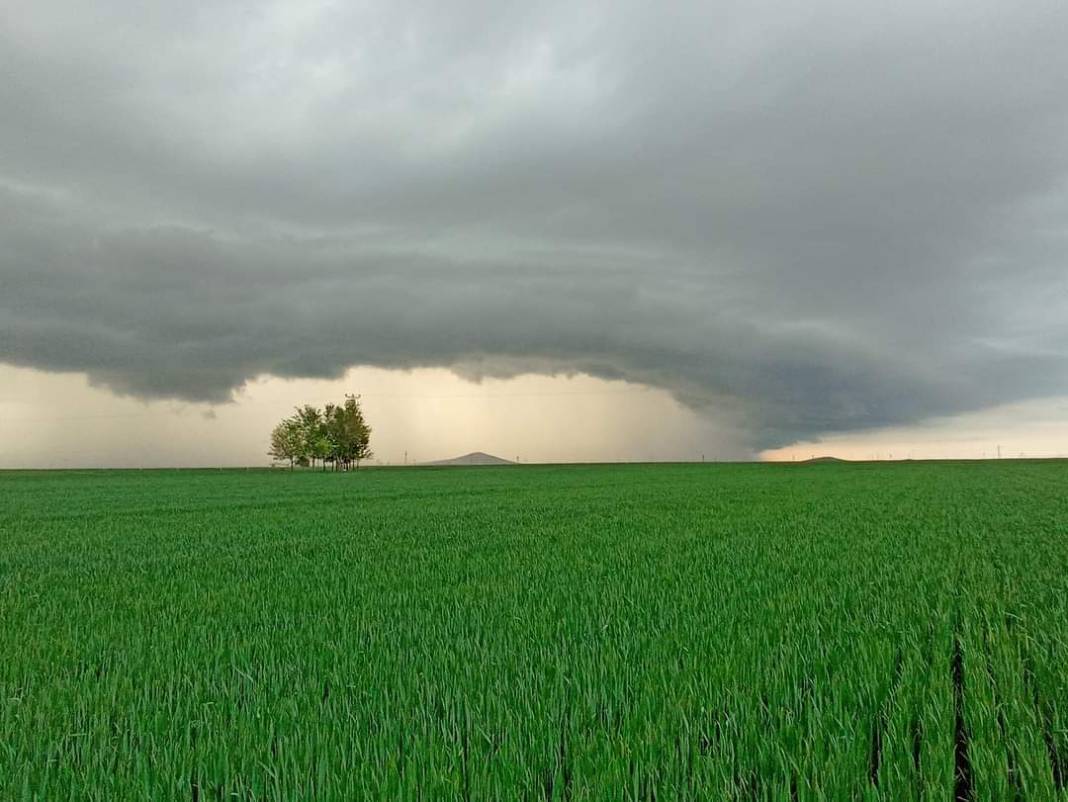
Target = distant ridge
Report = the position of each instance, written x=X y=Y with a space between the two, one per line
x=474 y=458
x=825 y=459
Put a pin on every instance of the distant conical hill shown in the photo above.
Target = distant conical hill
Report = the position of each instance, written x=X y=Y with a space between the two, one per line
x=474 y=458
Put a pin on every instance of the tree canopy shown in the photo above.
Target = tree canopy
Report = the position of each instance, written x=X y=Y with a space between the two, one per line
x=336 y=435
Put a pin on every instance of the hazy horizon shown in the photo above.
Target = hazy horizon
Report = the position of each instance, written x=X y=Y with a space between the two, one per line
x=61 y=421
x=562 y=232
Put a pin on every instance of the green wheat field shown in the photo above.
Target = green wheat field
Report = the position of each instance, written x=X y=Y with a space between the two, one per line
x=669 y=632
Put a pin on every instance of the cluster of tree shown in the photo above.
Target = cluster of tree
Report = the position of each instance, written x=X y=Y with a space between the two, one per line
x=336 y=435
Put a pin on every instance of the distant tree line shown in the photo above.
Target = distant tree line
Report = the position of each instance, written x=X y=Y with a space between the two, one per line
x=336 y=435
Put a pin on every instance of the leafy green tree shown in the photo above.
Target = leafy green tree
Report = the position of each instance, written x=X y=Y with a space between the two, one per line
x=322 y=449
x=310 y=421
x=332 y=432
x=286 y=441
x=359 y=431
x=336 y=434
x=349 y=433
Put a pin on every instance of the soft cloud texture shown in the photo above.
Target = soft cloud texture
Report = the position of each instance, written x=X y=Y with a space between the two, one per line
x=800 y=217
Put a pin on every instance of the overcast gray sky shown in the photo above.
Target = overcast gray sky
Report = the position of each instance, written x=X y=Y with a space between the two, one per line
x=787 y=219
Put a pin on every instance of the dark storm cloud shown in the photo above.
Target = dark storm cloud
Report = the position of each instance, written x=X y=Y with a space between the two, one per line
x=816 y=218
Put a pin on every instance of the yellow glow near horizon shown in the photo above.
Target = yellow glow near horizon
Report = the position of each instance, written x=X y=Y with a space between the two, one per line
x=60 y=420
x=1037 y=429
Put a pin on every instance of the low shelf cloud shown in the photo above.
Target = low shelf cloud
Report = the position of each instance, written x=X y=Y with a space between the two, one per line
x=805 y=220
